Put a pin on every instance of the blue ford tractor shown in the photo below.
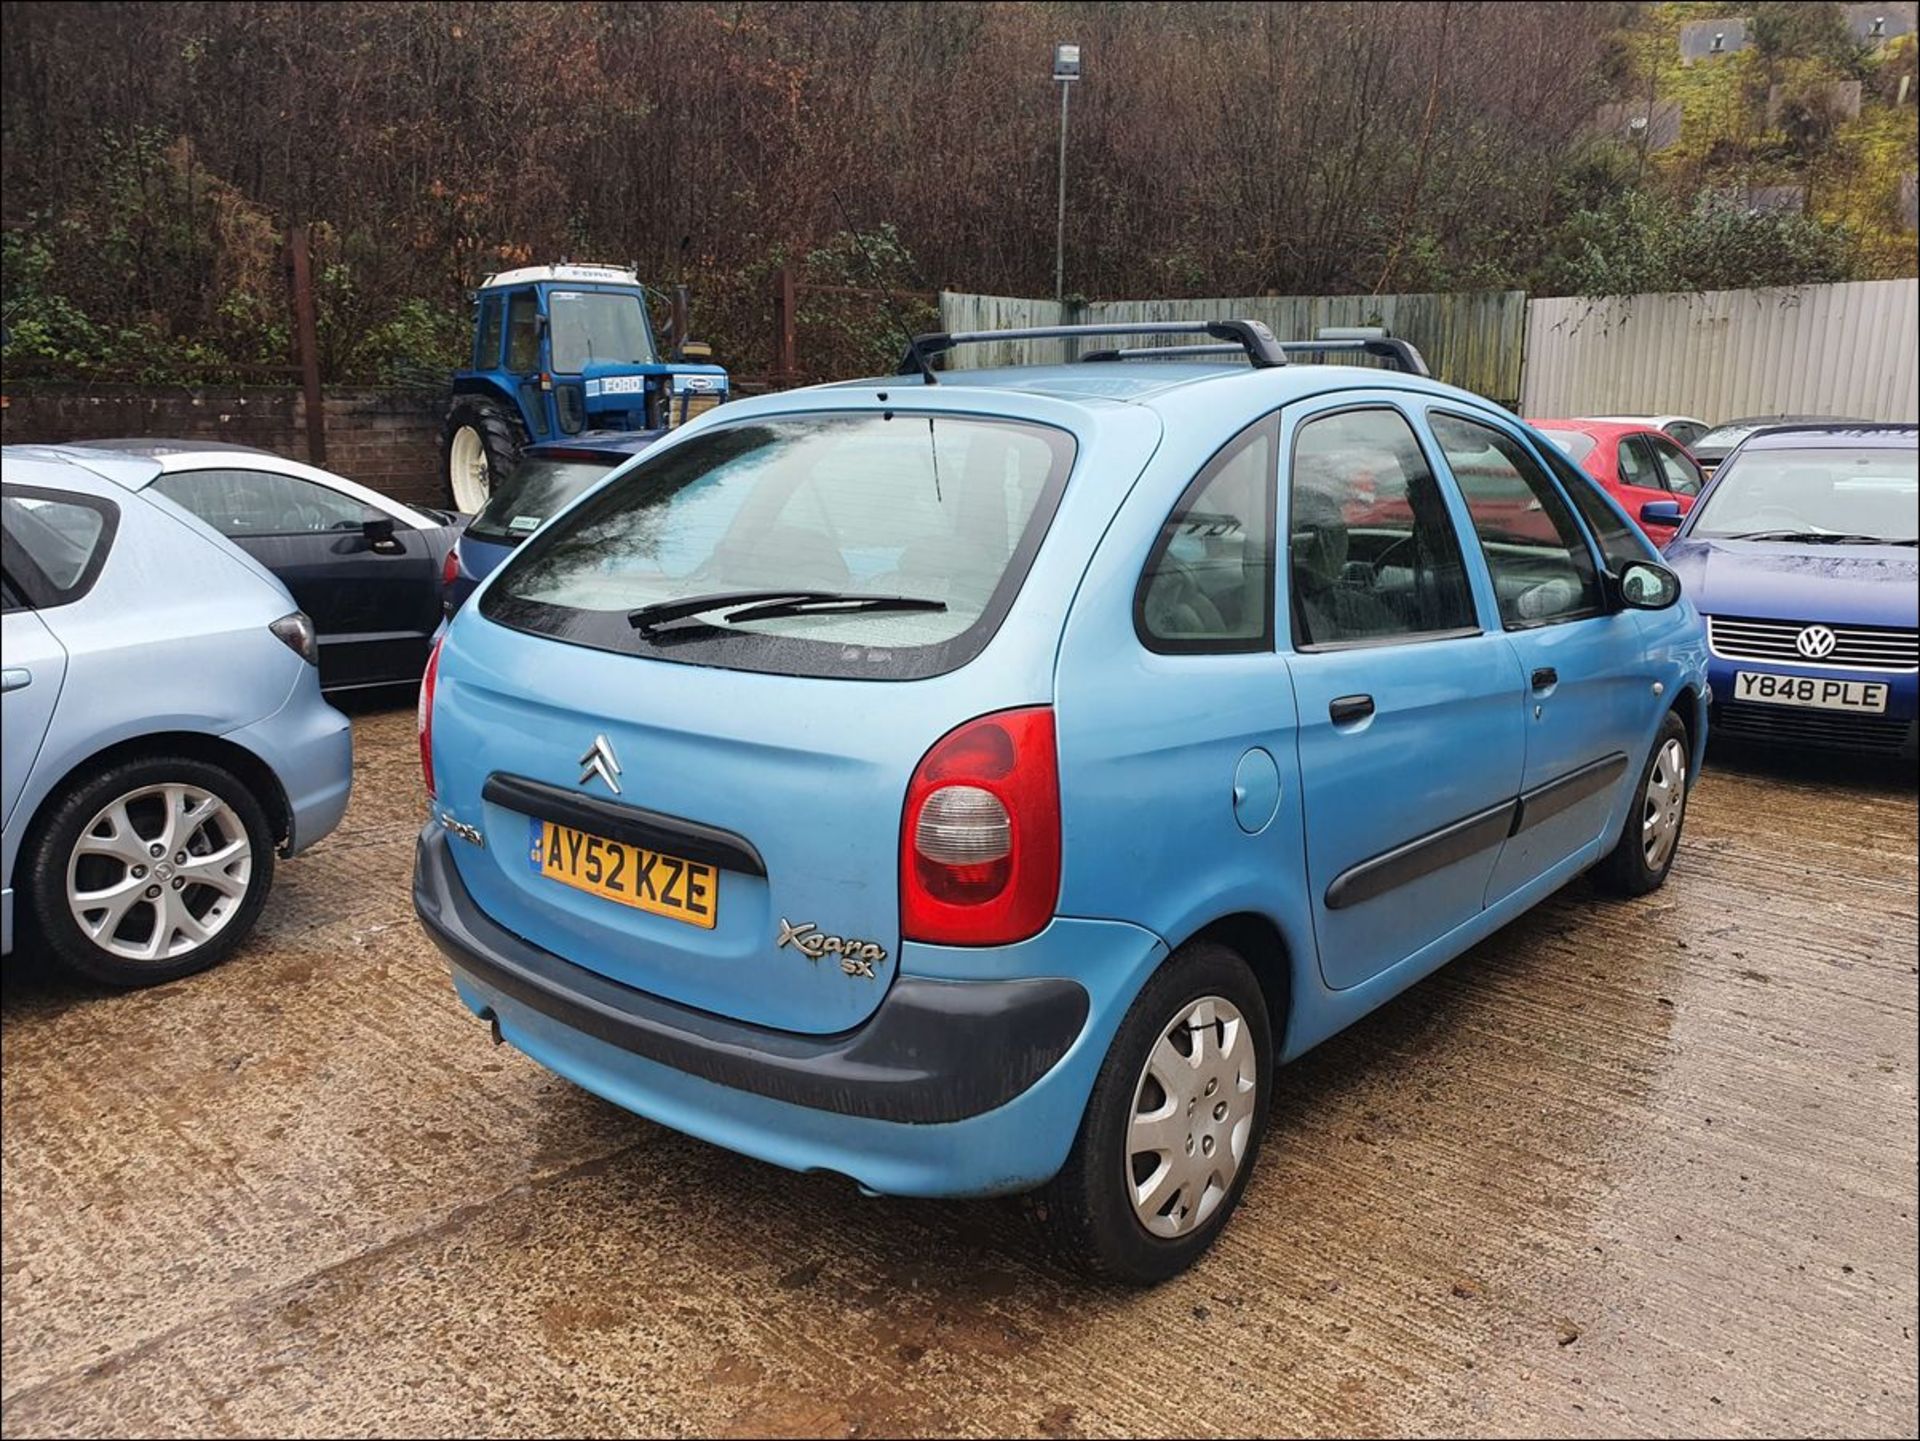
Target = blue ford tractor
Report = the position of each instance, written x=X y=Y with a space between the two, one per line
x=558 y=350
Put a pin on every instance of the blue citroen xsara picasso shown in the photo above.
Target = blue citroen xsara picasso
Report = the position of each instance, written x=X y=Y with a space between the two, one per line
x=982 y=786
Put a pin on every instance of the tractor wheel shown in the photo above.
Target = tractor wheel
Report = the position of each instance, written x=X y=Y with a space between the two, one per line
x=482 y=440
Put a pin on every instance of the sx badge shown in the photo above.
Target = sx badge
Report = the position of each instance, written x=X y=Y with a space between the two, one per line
x=857 y=957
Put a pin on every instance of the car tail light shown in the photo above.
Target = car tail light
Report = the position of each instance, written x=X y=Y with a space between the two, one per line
x=297 y=631
x=424 y=716
x=450 y=567
x=980 y=835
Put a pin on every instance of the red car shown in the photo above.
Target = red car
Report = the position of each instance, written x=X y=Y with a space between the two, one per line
x=1635 y=463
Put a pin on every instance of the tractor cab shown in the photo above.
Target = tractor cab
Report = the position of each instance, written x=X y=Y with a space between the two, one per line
x=558 y=350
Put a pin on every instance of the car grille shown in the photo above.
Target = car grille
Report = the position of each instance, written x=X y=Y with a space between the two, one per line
x=681 y=409
x=1795 y=725
x=1855 y=647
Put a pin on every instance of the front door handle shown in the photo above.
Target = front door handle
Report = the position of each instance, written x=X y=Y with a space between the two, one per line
x=15 y=678
x=1346 y=709
x=1546 y=678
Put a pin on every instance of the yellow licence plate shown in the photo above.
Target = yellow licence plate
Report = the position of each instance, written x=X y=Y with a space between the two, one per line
x=652 y=881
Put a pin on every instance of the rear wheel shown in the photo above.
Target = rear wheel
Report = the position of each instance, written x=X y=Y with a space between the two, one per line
x=1650 y=837
x=480 y=443
x=1172 y=1127
x=150 y=870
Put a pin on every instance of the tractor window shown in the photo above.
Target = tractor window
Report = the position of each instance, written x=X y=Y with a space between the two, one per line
x=523 y=333
x=590 y=325
x=486 y=338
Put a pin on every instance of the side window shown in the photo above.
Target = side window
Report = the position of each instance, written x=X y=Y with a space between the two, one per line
x=523 y=333
x=54 y=544
x=1208 y=584
x=1620 y=542
x=486 y=342
x=1686 y=431
x=1543 y=572
x=240 y=503
x=1636 y=466
x=1372 y=552
x=1682 y=477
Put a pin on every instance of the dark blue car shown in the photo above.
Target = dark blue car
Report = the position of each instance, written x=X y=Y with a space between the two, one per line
x=545 y=479
x=1802 y=554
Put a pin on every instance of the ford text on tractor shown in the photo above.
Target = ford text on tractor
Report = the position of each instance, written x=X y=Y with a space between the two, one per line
x=558 y=350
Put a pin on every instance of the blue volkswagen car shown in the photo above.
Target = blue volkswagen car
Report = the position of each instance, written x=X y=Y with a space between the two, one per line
x=980 y=782
x=1804 y=554
x=547 y=476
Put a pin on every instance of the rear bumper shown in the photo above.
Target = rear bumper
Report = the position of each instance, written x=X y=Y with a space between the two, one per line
x=957 y=1085
x=308 y=745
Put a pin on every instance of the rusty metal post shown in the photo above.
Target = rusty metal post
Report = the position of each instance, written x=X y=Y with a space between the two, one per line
x=784 y=299
x=307 y=344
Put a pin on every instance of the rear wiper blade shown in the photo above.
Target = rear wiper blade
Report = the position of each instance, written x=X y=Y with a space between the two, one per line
x=660 y=612
x=832 y=605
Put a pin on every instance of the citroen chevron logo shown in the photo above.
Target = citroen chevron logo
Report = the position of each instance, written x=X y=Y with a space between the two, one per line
x=599 y=761
x=1816 y=642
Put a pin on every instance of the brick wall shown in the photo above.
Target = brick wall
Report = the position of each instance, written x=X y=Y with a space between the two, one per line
x=389 y=440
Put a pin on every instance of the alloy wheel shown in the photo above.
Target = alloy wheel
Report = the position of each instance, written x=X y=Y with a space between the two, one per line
x=159 y=872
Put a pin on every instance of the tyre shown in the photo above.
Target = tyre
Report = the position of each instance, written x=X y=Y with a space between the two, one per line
x=149 y=870
x=1172 y=1127
x=1650 y=836
x=480 y=443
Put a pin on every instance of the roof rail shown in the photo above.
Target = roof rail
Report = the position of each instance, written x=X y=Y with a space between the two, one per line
x=1369 y=339
x=1247 y=337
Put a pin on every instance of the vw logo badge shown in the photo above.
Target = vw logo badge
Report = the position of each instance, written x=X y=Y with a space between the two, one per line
x=1816 y=642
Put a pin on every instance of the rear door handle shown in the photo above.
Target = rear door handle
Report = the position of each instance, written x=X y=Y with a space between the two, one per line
x=1545 y=678
x=15 y=678
x=1346 y=709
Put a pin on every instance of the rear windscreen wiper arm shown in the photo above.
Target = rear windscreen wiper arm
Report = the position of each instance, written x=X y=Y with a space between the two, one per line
x=832 y=605
x=651 y=617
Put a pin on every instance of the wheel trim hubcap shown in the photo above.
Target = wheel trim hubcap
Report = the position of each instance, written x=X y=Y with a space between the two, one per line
x=467 y=461
x=159 y=872
x=1192 y=1117
x=1664 y=804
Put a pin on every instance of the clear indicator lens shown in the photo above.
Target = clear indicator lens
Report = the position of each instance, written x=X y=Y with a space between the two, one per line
x=963 y=826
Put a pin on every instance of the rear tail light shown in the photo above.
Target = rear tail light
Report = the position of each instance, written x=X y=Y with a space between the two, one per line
x=424 y=715
x=450 y=567
x=980 y=836
x=297 y=631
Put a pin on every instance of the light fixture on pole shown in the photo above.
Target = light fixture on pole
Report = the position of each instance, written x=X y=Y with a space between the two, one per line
x=1066 y=70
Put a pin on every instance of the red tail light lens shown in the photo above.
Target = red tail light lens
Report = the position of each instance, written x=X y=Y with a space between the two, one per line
x=980 y=836
x=429 y=679
x=450 y=568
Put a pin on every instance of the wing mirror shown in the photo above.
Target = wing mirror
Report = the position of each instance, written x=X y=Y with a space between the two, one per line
x=377 y=527
x=1642 y=585
x=1662 y=512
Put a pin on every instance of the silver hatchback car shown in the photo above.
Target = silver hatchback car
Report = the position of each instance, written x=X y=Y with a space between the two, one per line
x=164 y=734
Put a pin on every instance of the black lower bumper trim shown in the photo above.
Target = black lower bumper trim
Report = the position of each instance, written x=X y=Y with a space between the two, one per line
x=933 y=1051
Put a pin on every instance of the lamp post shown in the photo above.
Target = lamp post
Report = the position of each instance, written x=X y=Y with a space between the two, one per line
x=1066 y=70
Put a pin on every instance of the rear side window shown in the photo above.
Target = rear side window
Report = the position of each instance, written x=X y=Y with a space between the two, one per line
x=888 y=546
x=1543 y=573
x=54 y=543
x=1208 y=583
x=241 y=503
x=1373 y=553
x=1637 y=465
x=533 y=491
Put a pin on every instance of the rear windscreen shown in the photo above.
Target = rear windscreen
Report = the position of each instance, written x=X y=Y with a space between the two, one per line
x=533 y=492
x=889 y=546
x=1575 y=443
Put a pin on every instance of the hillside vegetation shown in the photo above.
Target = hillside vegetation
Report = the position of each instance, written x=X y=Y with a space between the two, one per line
x=153 y=155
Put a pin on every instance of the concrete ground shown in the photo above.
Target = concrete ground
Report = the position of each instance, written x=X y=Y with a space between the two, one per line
x=1625 y=1168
